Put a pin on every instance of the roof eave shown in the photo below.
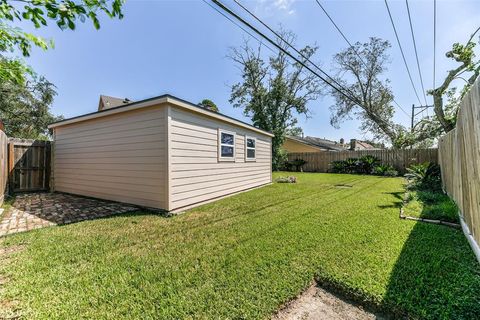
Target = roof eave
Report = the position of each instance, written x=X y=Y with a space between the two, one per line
x=157 y=101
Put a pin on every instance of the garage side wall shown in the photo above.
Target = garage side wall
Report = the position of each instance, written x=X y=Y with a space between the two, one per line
x=196 y=174
x=121 y=157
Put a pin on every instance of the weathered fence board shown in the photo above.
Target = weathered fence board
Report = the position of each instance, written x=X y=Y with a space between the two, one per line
x=29 y=165
x=399 y=159
x=459 y=158
x=3 y=165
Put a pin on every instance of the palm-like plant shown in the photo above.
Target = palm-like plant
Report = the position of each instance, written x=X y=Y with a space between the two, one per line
x=367 y=163
x=424 y=176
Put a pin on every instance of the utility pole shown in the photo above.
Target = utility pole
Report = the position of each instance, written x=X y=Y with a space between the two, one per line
x=413 y=117
x=423 y=108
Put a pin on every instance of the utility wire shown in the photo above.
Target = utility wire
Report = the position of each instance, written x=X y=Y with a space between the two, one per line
x=239 y=26
x=416 y=52
x=279 y=36
x=352 y=47
x=401 y=50
x=230 y=12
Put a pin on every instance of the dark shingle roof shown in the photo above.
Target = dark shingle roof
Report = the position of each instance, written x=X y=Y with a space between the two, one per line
x=107 y=102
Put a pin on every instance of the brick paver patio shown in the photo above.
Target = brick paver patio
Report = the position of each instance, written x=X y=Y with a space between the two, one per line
x=38 y=210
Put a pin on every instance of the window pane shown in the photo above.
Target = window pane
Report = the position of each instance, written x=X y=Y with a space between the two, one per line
x=250 y=153
x=227 y=138
x=227 y=152
x=250 y=143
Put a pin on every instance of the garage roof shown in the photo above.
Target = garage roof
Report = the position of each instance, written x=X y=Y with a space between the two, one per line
x=166 y=98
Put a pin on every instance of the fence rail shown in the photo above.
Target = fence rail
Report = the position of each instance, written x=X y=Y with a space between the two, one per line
x=459 y=158
x=399 y=159
x=3 y=165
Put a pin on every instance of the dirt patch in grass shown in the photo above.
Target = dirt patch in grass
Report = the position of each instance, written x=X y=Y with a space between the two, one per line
x=317 y=303
x=5 y=252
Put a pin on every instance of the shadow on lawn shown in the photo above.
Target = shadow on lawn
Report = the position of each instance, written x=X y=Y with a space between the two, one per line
x=394 y=204
x=435 y=277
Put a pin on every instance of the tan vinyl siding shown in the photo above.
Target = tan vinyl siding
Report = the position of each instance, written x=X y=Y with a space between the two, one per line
x=196 y=173
x=122 y=157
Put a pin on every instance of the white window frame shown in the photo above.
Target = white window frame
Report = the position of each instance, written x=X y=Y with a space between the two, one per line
x=254 y=148
x=220 y=144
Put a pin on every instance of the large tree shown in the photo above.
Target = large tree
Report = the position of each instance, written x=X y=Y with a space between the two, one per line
x=24 y=108
x=274 y=91
x=65 y=13
x=468 y=71
x=361 y=71
x=369 y=98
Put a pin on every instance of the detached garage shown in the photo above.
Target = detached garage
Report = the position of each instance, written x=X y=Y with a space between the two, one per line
x=162 y=152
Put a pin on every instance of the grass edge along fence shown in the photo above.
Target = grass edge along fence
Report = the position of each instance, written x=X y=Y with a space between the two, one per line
x=3 y=165
x=459 y=159
x=400 y=159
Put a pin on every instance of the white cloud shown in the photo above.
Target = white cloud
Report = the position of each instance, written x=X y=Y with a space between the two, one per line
x=272 y=6
x=285 y=5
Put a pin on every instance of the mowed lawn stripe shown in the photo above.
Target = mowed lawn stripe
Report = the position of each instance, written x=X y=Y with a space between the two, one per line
x=244 y=256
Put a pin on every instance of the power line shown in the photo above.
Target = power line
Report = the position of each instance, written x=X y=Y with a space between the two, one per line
x=401 y=50
x=416 y=53
x=223 y=7
x=340 y=31
x=279 y=36
x=352 y=47
x=239 y=26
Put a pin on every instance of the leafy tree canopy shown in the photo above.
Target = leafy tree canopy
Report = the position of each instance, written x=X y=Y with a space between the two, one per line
x=274 y=91
x=294 y=132
x=24 y=108
x=209 y=105
x=65 y=13
x=361 y=69
x=468 y=71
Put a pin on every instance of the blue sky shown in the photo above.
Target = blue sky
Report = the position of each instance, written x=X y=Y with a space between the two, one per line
x=180 y=47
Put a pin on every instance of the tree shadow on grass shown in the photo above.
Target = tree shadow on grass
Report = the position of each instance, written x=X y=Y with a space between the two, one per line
x=435 y=277
x=393 y=204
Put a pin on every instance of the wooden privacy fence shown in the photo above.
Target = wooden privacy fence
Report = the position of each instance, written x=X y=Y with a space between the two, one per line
x=399 y=159
x=459 y=158
x=3 y=165
x=28 y=165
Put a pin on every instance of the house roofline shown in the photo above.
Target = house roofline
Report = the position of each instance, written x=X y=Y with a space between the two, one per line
x=312 y=144
x=166 y=98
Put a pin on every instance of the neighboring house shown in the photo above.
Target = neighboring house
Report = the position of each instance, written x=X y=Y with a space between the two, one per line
x=356 y=145
x=107 y=102
x=162 y=152
x=310 y=144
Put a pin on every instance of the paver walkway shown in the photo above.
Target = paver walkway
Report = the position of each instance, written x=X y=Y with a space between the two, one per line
x=38 y=210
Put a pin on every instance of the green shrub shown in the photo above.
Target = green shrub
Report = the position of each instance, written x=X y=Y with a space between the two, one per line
x=424 y=176
x=282 y=159
x=351 y=165
x=297 y=164
x=366 y=164
x=385 y=170
x=338 y=166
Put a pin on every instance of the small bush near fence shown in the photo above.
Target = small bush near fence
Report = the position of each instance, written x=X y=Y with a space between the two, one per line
x=295 y=165
x=424 y=197
x=365 y=165
x=424 y=176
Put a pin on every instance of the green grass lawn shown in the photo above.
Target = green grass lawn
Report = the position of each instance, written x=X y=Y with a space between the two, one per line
x=244 y=256
x=431 y=205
